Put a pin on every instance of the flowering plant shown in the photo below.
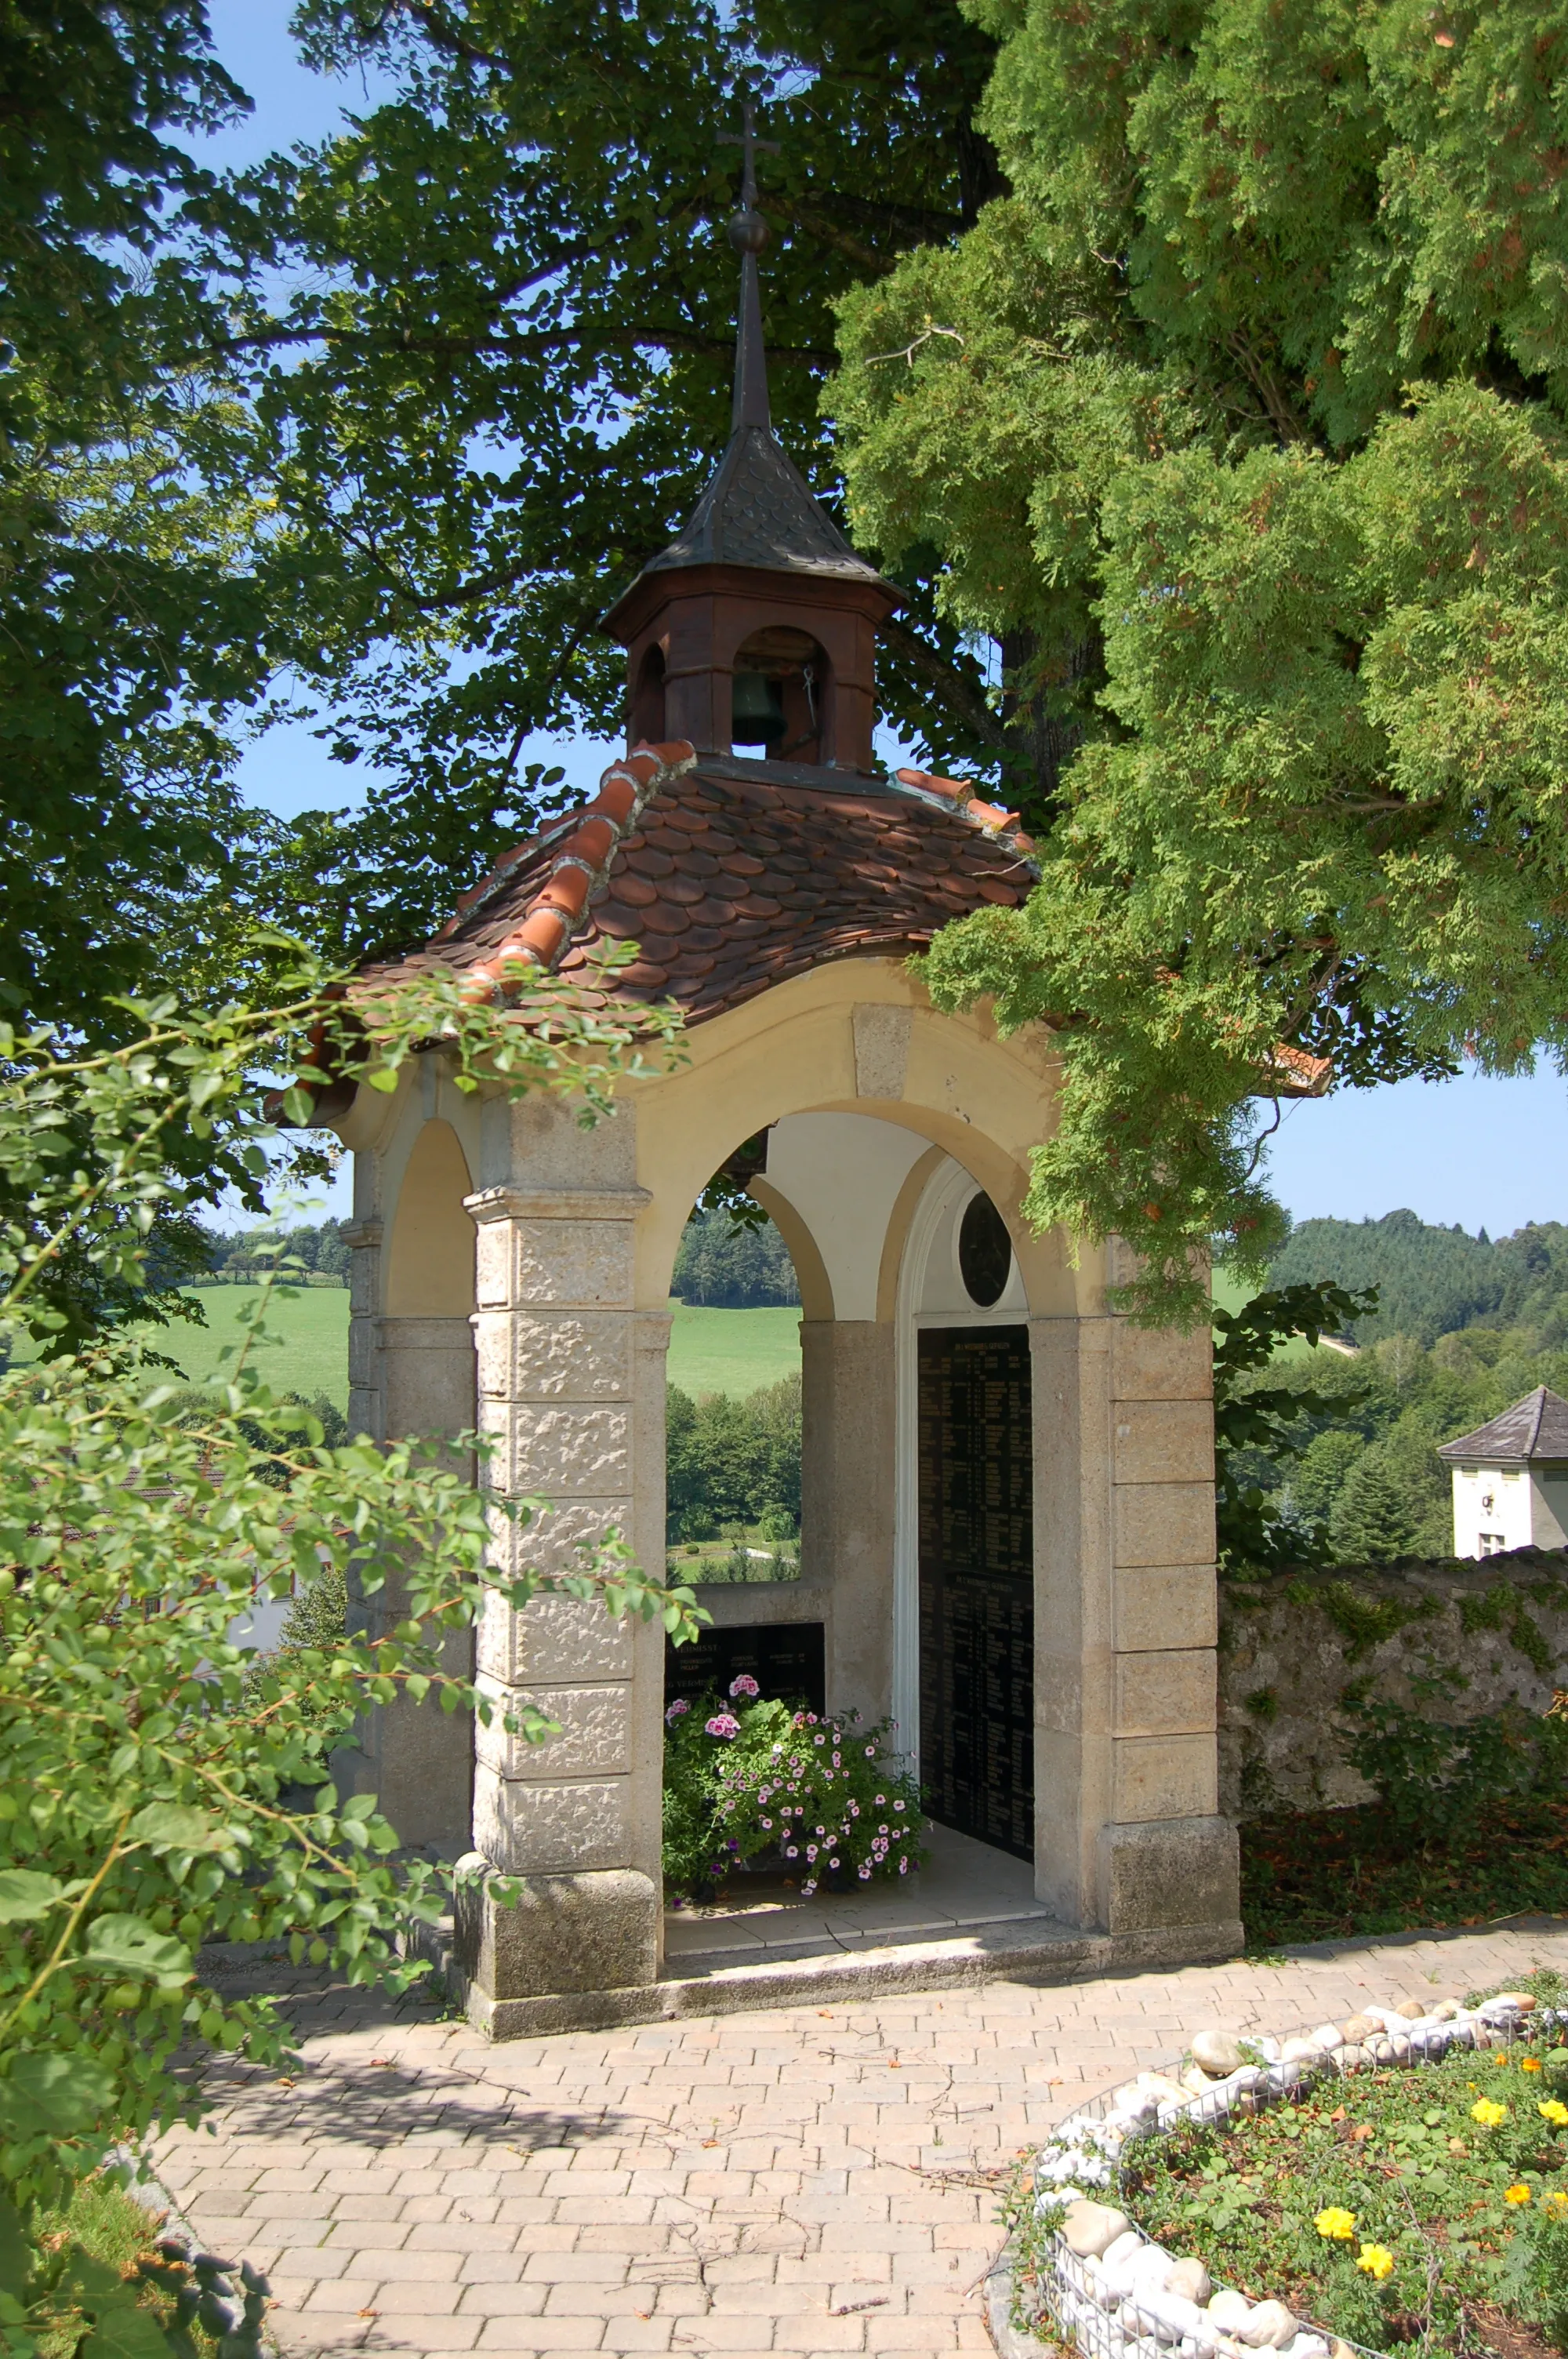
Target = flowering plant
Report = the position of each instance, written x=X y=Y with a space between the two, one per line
x=1379 y=2198
x=752 y=1776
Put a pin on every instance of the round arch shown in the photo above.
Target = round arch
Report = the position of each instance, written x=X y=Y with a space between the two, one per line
x=430 y=1253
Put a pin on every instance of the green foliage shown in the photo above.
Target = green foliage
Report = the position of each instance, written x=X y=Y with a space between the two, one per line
x=1351 y=1451
x=1402 y=2153
x=1432 y=1282
x=737 y=1268
x=251 y=1253
x=97 y=1145
x=1363 y=1622
x=158 y=1788
x=104 y=2278
x=1251 y=1418
x=733 y=1461
x=1432 y=1776
x=748 y=1775
x=1373 y=1521
x=1247 y=407
x=374 y=433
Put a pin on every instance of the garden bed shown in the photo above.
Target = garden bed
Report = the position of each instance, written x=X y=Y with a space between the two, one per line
x=1317 y=1876
x=1393 y=2185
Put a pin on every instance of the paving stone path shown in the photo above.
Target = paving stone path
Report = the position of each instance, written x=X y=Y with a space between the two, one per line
x=822 y=2180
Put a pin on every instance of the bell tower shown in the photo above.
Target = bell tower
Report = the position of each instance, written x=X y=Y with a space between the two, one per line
x=755 y=632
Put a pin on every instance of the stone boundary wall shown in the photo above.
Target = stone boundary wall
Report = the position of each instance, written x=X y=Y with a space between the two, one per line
x=1485 y=1633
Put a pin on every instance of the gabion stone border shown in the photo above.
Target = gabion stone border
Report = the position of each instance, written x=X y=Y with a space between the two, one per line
x=1109 y=2292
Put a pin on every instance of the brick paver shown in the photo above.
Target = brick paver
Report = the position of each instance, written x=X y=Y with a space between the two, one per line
x=819 y=2180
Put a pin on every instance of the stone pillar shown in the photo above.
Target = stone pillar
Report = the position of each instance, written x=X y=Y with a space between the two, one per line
x=408 y=1377
x=1168 y=1862
x=365 y=1411
x=847 y=1484
x=1127 y=1835
x=1069 y=1379
x=571 y=1393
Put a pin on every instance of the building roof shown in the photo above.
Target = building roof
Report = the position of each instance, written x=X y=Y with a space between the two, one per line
x=730 y=875
x=1536 y=1427
x=759 y=510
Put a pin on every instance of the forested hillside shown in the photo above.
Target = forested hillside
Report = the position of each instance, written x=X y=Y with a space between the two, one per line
x=1369 y=1471
x=1464 y=1328
x=1434 y=1281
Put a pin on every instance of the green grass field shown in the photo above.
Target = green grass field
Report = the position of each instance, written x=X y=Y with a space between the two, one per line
x=732 y=1350
x=313 y=1356
x=710 y=1350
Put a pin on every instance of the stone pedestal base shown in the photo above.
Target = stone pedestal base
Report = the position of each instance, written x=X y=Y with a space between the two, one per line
x=1164 y=1874
x=595 y=1932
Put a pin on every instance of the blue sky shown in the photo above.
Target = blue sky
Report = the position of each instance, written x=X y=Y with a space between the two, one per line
x=1484 y=1153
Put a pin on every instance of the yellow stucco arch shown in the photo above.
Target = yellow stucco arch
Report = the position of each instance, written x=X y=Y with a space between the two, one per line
x=430 y=1253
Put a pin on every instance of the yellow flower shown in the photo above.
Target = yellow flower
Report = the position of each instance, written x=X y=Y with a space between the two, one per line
x=1377 y=2260
x=1336 y=2222
x=1553 y=2110
x=1517 y=2194
x=1530 y=2063
x=1556 y=2204
x=1489 y=2113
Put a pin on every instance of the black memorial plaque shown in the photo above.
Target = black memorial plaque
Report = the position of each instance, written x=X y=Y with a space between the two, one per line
x=977 y=1584
x=788 y=1659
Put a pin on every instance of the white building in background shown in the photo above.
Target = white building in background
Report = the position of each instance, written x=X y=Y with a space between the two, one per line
x=1510 y=1479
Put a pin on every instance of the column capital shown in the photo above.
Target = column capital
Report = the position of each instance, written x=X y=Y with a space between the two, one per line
x=557 y=1204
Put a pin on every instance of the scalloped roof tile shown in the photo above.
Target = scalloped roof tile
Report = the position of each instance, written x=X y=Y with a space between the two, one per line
x=732 y=876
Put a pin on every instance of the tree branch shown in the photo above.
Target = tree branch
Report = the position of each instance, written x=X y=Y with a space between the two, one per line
x=958 y=694
x=526 y=346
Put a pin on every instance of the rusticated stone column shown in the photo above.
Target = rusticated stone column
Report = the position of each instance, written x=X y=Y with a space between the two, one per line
x=571 y=1397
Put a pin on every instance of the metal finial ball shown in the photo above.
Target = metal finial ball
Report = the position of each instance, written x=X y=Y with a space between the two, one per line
x=748 y=230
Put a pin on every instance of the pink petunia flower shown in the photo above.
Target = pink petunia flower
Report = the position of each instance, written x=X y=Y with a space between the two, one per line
x=723 y=1723
x=675 y=1711
x=744 y=1684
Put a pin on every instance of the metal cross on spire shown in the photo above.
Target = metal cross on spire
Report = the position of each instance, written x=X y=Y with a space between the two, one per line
x=748 y=234
x=748 y=143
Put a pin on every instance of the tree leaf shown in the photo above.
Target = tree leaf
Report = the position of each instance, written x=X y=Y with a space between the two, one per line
x=57 y=2094
x=175 y=1826
x=16 y=2252
x=130 y=1945
x=125 y=2330
x=25 y=1896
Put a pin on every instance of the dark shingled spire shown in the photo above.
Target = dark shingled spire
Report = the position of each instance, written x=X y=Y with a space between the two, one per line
x=758 y=509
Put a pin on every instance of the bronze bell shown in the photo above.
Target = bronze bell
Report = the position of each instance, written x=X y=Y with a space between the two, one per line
x=757 y=714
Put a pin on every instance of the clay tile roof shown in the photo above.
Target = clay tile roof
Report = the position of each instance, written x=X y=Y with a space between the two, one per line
x=1536 y=1427
x=1295 y=1073
x=731 y=876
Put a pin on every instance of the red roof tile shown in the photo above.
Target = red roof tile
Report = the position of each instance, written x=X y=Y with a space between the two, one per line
x=733 y=877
